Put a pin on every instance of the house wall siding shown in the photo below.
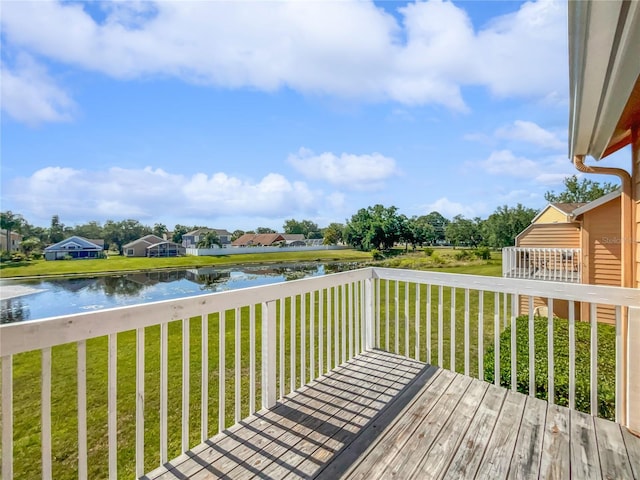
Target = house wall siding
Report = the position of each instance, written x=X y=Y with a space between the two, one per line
x=551 y=215
x=556 y=235
x=603 y=248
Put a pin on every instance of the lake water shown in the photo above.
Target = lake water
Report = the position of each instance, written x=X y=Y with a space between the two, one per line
x=63 y=296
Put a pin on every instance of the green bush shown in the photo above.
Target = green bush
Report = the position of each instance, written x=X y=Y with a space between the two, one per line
x=5 y=256
x=464 y=255
x=428 y=251
x=606 y=363
x=376 y=254
x=18 y=257
x=483 y=253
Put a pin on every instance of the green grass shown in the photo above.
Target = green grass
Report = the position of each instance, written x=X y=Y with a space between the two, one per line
x=123 y=264
x=606 y=362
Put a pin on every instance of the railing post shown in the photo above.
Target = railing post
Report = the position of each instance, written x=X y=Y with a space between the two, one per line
x=633 y=369
x=269 y=353
x=369 y=326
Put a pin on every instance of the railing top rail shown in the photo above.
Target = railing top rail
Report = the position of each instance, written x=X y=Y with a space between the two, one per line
x=48 y=332
x=37 y=334
x=549 y=249
x=629 y=297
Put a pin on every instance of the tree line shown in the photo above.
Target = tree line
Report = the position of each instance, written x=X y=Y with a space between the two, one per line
x=374 y=227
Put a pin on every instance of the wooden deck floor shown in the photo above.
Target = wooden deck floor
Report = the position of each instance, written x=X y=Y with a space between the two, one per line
x=385 y=416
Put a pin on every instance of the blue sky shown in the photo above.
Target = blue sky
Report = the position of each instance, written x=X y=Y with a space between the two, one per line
x=244 y=114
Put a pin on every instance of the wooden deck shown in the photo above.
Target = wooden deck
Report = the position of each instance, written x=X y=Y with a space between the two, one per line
x=385 y=416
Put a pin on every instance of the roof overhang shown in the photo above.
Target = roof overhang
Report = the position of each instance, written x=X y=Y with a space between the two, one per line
x=596 y=203
x=604 y=75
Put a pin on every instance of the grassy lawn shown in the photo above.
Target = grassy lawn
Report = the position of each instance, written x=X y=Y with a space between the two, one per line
x=123 y=264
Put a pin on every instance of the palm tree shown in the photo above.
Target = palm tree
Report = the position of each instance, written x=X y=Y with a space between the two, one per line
x=208 y=240
x=10 y=222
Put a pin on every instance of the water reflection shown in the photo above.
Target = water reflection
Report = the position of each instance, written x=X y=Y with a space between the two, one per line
x=76 y=295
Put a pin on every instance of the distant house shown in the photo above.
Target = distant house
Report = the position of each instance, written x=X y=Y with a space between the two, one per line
x=14 y=241
x=294 y=239
x=258 y=240
x=191 y=239
x=152 y=246
x=74 y=247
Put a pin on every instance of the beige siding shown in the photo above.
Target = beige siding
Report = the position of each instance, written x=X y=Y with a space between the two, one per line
x=552 y=215
x=557 y=235
x=602 y=245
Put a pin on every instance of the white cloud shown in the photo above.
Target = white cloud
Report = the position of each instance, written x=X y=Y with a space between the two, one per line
x=148 y=193
x=504 y=162
x=356 y=172
x=344 y=49
x=450 y=209
x=531 y=132
x=31 y=96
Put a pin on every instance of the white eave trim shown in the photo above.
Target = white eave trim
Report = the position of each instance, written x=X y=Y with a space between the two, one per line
x=604 y=41
x=596 y=203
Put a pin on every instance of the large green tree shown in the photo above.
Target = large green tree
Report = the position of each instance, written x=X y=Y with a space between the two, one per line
x=374 y=227
x=92 y=230
x=579 y=191
x=502 y=226
x=159 y=229
x=439 y=224
x=305 y=227
x=123 y=232
x=56 y=230
x=462 y=231
x=261 y=230
x=178 y=232
x=421 y=231
x=333 y=234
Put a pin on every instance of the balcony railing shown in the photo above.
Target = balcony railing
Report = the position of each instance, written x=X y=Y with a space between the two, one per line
x=555 y=264
x=124 y=390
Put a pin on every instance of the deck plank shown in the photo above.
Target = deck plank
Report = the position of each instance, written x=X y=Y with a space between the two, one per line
x=382 y=448
x=408 y=458
x=632 y=445
x=614 y=460
x=438 y=457
x=467 y=458
x=585 y=463
x=311 y=452
x=382 y=415
x=497 y=458
x=525 y=463
x=554 y=462
x=322 y=415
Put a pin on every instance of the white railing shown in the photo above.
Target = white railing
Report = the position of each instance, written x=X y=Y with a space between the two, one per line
x=143 y=384
x=556 y=264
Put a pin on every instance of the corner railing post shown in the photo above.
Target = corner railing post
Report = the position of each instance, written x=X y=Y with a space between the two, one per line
x=632 y=384
x=269 y=354
x=369 y=313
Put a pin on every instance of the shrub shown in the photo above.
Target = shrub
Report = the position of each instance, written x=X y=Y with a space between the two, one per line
x=428 y=251
x=437 y=259
x=18 y=257
x=463 y=255
x=606 y=363
x=483 y=253
x=37 y=255
x=376 y=254
x=5 y=256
